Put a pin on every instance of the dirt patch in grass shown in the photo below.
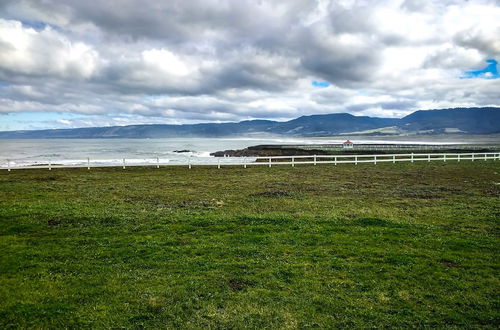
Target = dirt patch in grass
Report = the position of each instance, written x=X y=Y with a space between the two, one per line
x=53 y=222
x=493 y=191
x=46 y=178
x=273 y=194
x=419 y=195
x=158 y=203
x=184 y=240
x=204 y=203
x=239 y=284
x=449 y=263
x=427 y=192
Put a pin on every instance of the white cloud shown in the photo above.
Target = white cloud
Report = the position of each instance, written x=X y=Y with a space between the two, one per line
x=233 y=60
x=166 y=62
x=46 y=52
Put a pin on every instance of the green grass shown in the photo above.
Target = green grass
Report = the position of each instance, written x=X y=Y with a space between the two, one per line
x=400 y=245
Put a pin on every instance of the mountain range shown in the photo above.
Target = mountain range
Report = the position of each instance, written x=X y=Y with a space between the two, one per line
x=458 y=120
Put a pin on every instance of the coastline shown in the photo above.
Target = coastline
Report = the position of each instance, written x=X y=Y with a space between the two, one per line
x=339 y=149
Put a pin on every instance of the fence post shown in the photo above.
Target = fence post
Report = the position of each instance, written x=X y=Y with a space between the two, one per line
x=50 y=165
x=123 y=163
x=314 y=159
x=356 y=160
x=485 y=157
x=244 y=162
x=472 y=157
x=88 y=163
x=375 y=160
x=8 y=165
x=444 y=157
x=428 y=157
x=412 y=157
x=458 y=157
x=293 y=161
x=269 y=161
x=189 y=162
x=335 y=160
x=393 y=159
x=157 y=162
x=218 y=162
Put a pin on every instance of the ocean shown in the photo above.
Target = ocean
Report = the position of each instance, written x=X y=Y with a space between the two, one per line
x=145 y=151
x=112 y=151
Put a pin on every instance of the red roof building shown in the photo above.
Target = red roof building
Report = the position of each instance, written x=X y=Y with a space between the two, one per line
x=347 y=145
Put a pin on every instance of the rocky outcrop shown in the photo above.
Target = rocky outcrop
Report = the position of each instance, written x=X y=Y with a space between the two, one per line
x=264 y=151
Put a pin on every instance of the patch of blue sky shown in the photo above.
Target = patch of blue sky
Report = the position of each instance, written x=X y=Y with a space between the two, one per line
x=320 y=84
x=151 y=97
x=39 y=25
x=32 y=120
x=364 y=92
x=489 y=72
x=36 y=25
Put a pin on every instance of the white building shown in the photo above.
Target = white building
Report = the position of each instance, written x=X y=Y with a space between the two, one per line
x=347 y=145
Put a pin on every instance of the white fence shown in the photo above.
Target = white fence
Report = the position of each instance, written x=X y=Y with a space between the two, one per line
x=270 y=161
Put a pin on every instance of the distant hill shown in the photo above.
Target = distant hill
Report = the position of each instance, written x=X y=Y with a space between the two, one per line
x=463 y=120
x=459 y=120
x=324 y=125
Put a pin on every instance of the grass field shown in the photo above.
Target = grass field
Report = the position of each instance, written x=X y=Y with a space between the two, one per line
x=401 y=245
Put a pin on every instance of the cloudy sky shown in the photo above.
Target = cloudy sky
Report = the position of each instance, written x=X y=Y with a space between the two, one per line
x=74 y=63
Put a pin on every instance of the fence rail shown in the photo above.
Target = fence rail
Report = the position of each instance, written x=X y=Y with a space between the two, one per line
x=273 y=160
x=386 y=147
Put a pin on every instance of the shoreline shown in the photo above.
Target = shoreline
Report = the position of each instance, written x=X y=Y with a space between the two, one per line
x=338 y=149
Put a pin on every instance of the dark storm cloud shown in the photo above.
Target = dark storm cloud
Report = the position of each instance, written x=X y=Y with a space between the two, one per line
x=176 y=21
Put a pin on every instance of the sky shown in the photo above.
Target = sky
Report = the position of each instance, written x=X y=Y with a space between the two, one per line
x=73 y=63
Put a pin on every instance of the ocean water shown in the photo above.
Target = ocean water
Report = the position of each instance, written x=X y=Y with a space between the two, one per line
x=113 y=151
x=146 y=151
